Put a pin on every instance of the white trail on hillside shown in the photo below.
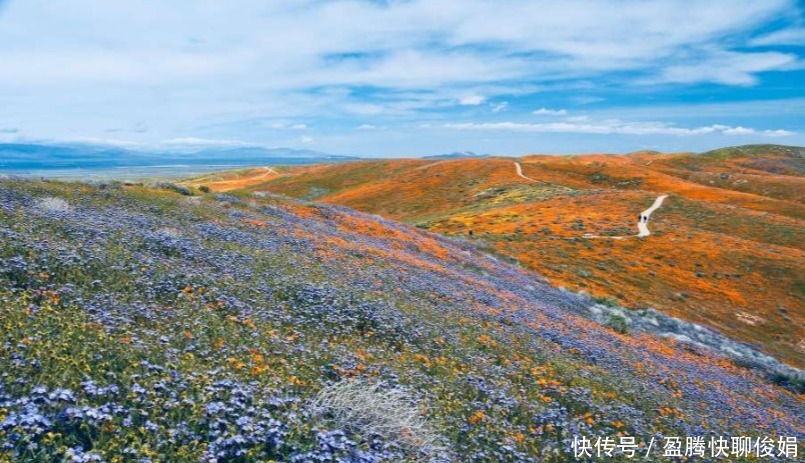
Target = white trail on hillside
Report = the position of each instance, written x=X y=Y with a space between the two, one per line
x=519 y=170
x=642 y=222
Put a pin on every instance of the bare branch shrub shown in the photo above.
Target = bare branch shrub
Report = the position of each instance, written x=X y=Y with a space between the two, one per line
x=367 y=410
x=51 y=204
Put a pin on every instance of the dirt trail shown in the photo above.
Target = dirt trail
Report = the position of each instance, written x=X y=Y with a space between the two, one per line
x=520 y=173
x=642 y=223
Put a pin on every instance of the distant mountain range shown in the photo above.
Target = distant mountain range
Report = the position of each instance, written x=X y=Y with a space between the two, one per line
x=22 y=158
x=457 y=155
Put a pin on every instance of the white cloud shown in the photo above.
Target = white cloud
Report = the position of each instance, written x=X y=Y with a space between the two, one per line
x=790 y=36
x=94 y=141
x=282 y=126
x=410 y=44
x=496 y=108
x=749 y=131
x=728 y=68
x=90 y=66
x=363 y=109
x=739 y=131
x=366 y=127
x=201 y=142
x=754 y=109
x=550 y=112
x=609 y=127
x=307 y=140
x=778 y=133
x=587 y=99
x=472 y=100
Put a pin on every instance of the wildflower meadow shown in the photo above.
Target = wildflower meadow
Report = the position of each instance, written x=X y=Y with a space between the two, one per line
x=148 y=325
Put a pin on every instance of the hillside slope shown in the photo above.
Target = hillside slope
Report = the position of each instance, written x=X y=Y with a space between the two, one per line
x=142 y=325
x=726 y=249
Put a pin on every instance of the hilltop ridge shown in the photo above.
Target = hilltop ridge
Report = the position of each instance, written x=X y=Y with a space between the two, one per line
x=757 y=150
x=457 y=155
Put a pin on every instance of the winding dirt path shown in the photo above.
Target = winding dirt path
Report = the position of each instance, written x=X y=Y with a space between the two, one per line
x=520 y=173
x=519 y=169
x=642 y=223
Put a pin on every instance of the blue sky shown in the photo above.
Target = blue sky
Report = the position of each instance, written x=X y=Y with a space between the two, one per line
x=404 y=78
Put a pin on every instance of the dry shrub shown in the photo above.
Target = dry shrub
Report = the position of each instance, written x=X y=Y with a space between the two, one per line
x=367 y=410
x=51 y=204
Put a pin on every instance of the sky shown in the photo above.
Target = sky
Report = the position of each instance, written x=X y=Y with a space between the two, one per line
x=404 y=78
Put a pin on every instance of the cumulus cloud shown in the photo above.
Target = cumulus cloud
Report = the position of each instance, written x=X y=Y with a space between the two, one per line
x=739 y=131
x=611 y=127
x=472 y=100
x=550 y=112
x=778 y=133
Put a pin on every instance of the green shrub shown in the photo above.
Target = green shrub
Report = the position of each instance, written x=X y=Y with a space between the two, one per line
x=794 y=383
x=607 y=301
x=618 y=324
x=181 y=189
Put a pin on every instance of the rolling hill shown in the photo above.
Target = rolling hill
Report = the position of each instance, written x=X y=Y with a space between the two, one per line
x=726 y=250
x=140 y=324
x=457 y=155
